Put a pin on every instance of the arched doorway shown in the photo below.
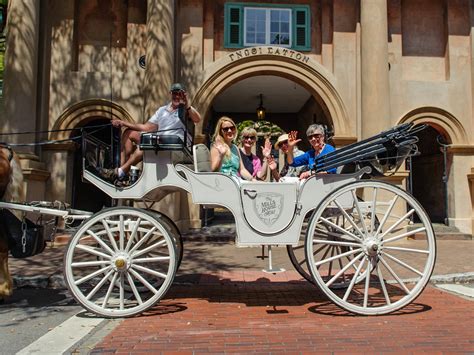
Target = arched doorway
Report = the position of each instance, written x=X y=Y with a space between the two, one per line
x=427 y=172
x=270 y=61
x=286 y=103
x=86 y=196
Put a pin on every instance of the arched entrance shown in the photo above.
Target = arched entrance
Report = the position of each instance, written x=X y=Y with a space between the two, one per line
x=88 y=113
x=429 y=169
x=274 y=61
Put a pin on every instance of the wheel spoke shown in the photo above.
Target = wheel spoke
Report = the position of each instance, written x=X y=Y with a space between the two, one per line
x=382 y=284
x=149 y=271
x=99 y=285
x=100 y=241
x=395 y=225
x=134 y=289
x=404 y=235
x=344 y=231
x=350 y=252
x=143 y=240
x=390 y=270
x=109 y=234
x=92 y=251
x=367 y=280
x=143 y=281
x=132 y=236
x=374 y=215
x=121 y=286
x=356 y=202
x=405 y=265
x=354 y=278
x=386 y=215
x=151 y=259
x=121 y=232
x=94 y=274
x=410 y=250
x=351 y=221
x=335 y=242
x=150 y=248
x=343 y=270
x=109 y=290
x=90 y=263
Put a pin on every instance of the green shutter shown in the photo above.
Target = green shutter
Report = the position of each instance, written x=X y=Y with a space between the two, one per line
x=233 y=23
x=301 y=29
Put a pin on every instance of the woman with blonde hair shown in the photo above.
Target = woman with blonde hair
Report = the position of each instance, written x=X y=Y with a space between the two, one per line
x=252 y=162
x=225 y=155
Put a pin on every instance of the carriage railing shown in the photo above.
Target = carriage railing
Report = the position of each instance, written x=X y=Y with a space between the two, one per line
x=384 y=151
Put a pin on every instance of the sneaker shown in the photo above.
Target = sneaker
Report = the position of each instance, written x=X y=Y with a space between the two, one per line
x=108 y=174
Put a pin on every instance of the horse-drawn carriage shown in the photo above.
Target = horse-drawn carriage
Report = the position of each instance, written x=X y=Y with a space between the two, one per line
x=368 y=245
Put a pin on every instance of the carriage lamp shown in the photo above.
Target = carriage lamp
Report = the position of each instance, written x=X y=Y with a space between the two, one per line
x=261 y=109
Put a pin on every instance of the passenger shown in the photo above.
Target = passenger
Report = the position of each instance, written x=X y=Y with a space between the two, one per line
x=252 y=162
x=315 y=134
x=286 y=170
x=165 y=119
x=225 y=155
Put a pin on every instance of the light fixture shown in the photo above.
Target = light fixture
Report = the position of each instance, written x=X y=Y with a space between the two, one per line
x=261 y=109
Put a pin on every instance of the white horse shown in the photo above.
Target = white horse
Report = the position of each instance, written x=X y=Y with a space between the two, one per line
x=12 y=190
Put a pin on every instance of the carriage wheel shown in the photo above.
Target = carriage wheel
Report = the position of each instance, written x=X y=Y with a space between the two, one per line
x=297 y=253
x=120 y=262
x=384 y=266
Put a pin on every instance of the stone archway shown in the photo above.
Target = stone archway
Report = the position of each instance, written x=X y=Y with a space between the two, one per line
x=440 y=200
x=289 y=64
x=83 y=112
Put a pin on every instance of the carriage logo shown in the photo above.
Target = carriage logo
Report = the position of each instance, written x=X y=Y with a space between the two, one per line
x=268 y=207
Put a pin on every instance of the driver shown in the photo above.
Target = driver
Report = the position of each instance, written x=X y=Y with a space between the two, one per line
x=165 y=119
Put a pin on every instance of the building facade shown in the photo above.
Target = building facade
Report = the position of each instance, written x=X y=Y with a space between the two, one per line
x=357 y=66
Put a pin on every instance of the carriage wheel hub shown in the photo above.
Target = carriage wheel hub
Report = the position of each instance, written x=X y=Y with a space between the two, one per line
x=371 y=247
x=121 y=262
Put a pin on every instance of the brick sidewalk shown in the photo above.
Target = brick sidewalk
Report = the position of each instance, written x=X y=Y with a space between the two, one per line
x=221 y=314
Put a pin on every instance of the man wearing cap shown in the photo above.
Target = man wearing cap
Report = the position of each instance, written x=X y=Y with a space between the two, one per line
x=166 y=120
x=287 y=170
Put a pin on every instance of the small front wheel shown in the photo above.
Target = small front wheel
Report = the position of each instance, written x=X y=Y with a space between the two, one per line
x=384 y=252
x=120 y=262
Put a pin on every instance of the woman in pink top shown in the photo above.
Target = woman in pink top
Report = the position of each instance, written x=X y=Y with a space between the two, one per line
x=252 y=162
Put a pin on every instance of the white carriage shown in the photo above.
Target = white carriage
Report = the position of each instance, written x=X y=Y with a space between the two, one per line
x=368 y=245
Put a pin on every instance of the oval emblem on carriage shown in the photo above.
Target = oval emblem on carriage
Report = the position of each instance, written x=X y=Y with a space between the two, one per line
x=268 y=207
x=119 y=263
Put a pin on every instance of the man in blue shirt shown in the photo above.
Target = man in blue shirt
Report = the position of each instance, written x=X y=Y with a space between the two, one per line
x=316 y=137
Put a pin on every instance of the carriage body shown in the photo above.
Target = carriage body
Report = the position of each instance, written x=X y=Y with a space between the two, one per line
x=351 y=237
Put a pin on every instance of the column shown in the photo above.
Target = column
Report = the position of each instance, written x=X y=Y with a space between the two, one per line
x=375 y=88
x=21 y=64
x=159 y=70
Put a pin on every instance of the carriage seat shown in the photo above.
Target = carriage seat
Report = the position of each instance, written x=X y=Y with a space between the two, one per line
x=155 y=141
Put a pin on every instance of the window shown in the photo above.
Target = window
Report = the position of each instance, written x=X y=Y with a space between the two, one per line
x=278 y=25
x=267 y=26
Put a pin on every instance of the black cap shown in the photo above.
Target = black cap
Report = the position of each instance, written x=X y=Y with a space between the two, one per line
x=177 y=87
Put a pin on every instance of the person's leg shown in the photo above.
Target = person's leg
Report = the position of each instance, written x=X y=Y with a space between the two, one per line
x=132 y=153
x=128 y=147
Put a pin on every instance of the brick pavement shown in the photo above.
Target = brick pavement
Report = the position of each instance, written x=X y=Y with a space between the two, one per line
x=224 y=314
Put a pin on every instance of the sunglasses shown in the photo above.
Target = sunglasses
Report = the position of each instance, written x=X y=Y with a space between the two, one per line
x=228 y=129
x=316 y=136
x=283 y=142
x=252 y=138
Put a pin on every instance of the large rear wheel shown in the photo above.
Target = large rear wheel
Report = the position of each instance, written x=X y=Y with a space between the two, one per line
x=378 y=253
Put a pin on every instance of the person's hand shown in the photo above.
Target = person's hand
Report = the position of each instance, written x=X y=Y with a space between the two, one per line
x=117 y=123
x=221 y=147
x=305 y=174
x=267 y=148
x=271 y=162
x=184 y=99
x=292 y=139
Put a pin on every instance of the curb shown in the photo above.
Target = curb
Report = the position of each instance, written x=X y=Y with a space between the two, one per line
x=57 y=281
